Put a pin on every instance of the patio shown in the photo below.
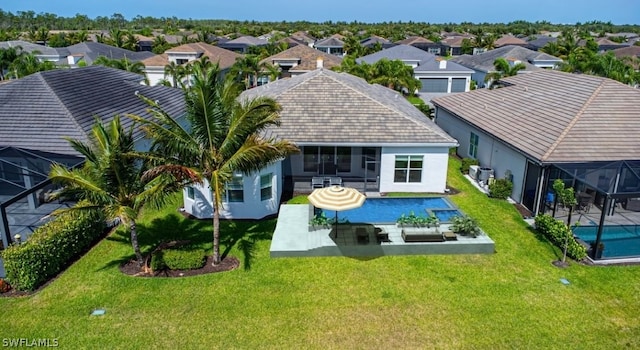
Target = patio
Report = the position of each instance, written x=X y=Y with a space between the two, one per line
x=292 y=238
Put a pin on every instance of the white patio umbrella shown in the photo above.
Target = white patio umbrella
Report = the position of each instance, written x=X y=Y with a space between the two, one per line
x=336 y=198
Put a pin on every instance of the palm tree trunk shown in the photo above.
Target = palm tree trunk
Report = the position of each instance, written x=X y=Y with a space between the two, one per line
x=216 y=236
x=134 y=242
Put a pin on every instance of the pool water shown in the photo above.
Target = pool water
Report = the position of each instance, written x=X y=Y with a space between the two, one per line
x=619 y=240
x=388 y=210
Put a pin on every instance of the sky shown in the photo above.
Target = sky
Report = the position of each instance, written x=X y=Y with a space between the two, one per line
x=368 y=11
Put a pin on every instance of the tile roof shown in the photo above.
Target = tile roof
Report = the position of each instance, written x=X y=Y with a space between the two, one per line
x=307 y=58
x=91 y=51
x=248 y=40
x=31 y=48
x=37 y=111
x=427 y=62
x=414 y=40
x=225 y=58
x=323 y=106
x=627 y=51
x=156 y=61
x=556 y=117
x=336 y=40
x=484 y=61
x=509 y=40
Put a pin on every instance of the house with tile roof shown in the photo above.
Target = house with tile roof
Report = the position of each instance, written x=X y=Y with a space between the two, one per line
x=301 y=59
x=90 y=51
x=333 y=45
x=242 y=43
x=365 y=134
x=154 y=66
x=482 y=63
x=38 y=111
x=437 y=75
x=509 y=40
x=41 y=52
x=543 y=123
x=422 y=44
x=374 y=40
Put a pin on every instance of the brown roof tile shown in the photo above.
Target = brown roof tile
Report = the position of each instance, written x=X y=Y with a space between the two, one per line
x=307 y=58
x=224 y=57
x=556 y=117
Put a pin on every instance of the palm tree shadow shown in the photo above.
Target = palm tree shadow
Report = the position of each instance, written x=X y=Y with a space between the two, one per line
x=165 y=229
x=245 y=234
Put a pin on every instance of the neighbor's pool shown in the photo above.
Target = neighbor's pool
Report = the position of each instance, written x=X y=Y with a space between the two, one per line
x=388 y=210
x=620 y=241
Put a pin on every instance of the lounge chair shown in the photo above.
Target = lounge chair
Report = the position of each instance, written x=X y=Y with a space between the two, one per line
x=362 y=236
x=335 y=181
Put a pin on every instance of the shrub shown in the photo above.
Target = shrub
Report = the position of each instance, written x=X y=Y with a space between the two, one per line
x=417 y=221
x=51 y=248
x=558 y=233
x=466 y=226
x=465 y=163
x=4 y=286
x=157 y=262
x=183 y=258
x=500 y=189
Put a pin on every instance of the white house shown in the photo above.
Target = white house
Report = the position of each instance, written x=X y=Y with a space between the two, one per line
x=154 y=66
x=346 y=129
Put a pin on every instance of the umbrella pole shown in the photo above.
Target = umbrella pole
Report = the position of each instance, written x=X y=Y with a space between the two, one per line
x=336 y=224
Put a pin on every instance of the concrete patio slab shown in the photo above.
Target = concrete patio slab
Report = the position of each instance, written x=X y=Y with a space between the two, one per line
x=293 y=238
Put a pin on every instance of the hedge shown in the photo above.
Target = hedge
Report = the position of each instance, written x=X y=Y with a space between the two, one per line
x=51 y=248
x=558 y=233
x=183 y=258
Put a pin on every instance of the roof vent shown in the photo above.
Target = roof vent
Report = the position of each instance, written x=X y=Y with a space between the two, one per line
x=136 y=93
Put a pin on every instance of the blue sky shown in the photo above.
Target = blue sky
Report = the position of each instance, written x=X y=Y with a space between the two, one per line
x=438 y=11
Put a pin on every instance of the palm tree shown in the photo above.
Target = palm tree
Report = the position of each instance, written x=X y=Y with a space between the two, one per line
x=223 y=137
x=395 y=75
x=247 y=67
x=112 y=180
x=7 y=57
x=175 y=72
x=503 y=69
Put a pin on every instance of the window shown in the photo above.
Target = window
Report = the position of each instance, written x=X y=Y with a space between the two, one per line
x=434 y=50
x=473 y=146
x=191 y=193
x=408 y=169
x=310 y=155
x=235 y=191
x=181 y=61
x=344 y=159
x=266 y=186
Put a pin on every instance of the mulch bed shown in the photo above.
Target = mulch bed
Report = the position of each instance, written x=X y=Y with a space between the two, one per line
x=526 y=213
x=131 y=268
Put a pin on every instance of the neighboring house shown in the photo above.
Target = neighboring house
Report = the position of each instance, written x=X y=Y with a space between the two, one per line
x=629 y=51
x=41 y=52
x=373 y=40
x=344 y=127
x=154 y=66
x=604 y=44
x=482 y=63
x=303 y=37
x=422 y=44
x=437 y=75
x=90 y=51
x=301 y=59
x=543 y=123
x=38 y=111
x=540 y=41
x=333 y=45
x=145 y=43
x=506 y=40
x=242 y=44
x=452 y=45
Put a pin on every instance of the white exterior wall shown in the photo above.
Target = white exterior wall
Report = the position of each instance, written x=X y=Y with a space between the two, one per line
x=434 y=171
x=491 y=153
x=154 y=75
x=251 y=208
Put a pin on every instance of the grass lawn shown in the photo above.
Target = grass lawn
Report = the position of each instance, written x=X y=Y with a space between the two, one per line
x=511 y=299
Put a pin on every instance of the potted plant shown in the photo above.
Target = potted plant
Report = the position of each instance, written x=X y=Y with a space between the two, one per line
x=465 y=226
x=319 y=221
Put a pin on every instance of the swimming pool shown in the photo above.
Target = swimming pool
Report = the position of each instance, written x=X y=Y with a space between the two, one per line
x=388 y=210
x=620 y=241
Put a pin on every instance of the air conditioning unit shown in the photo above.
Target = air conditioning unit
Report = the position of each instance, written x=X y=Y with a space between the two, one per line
x=484 y=174
x=473 y=171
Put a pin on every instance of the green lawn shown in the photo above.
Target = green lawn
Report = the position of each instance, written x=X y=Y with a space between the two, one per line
x=511 y=299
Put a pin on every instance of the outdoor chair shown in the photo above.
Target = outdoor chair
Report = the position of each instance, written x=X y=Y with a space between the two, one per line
x=317 y=182
x=381 y=235
x=335 y=181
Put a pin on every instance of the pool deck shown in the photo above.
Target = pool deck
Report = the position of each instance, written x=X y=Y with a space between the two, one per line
x=293 y=238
